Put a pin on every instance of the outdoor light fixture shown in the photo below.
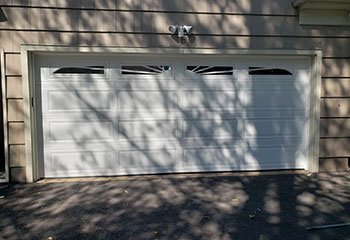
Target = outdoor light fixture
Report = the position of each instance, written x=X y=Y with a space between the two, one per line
x=181 y=30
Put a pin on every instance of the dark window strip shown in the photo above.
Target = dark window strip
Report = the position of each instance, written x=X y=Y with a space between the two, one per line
x=81 y=70
x=211 y=70
x=145 y=70
x=268 y=71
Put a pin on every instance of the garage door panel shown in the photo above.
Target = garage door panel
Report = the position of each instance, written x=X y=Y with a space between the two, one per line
x=210 y=100
x=274 y=84
x=270 y=157
x=77 y=80
x=273 y=99
x=147 y=101
x=284 y=141
x=148 y=158
x=211 y=142
x=210 y=128
x=80 y=132
x=129 y=144
x=79 y=100
x=60 y=85
x=280 y=113
x=208 y=158
x=272 y=127
x=147 y=130
x=78 y=161
x=142 y=85
x=228 y=84
x=151 y=115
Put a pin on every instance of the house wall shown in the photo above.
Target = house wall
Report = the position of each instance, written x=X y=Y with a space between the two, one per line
x=254 y=24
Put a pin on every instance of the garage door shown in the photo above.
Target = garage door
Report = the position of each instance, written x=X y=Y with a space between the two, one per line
x=141 y=114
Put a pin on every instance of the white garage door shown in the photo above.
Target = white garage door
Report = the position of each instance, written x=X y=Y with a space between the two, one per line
x=115 y=115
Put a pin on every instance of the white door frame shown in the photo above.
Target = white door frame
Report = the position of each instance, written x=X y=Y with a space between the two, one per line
x=4 y=115
x=28 y=51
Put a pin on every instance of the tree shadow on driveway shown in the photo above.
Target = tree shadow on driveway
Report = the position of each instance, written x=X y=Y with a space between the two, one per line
x=203 y=206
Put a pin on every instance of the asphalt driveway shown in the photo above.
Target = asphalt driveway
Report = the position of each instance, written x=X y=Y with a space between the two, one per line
x=207 y=206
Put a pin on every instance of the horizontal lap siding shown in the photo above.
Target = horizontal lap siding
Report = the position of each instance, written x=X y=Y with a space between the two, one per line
x=282 y=7
x=15 y=115
x=335 y=113
x=255 y=24
x=157 y=23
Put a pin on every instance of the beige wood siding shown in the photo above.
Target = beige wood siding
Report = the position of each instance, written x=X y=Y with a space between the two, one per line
x=15 y=117
x=253 y=24
x=283 y=7
x=17 y=155
x=15 y=110
x=336 y=87
x=16 y=133
x=14 y=88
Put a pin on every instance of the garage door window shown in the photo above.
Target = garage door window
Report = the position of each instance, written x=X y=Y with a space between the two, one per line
x=81 y=70
x=268 y=71
x=211 y=70
x=144 y=69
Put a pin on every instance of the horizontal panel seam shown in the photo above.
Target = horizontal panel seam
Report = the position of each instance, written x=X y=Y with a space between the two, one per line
x=336 y=97
x=13 y=75
x=168 y=34
x=334 y=157
x=330 y=77
x=334 y=137
x=335 y=117
x=336 y=57
x=151 y=11
x=12 y=53
x=344 y=77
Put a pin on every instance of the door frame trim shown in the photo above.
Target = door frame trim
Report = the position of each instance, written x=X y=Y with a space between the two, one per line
x=27 y=58
x=4 y=116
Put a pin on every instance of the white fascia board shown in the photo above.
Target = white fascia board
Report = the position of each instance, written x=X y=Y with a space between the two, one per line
x=323 y=12
x=322 y=4
x=324 y=17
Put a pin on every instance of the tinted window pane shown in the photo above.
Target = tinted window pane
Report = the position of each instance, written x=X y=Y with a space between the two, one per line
x=211 y=70
x=144 y=70
x=81 y=70
x=268 y=71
